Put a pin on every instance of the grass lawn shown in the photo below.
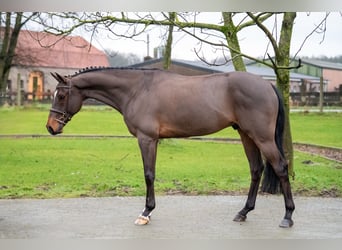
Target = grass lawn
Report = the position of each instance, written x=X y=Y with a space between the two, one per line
x=103 y=121
x=320 y=129
x=73 y=167
x=67 y=167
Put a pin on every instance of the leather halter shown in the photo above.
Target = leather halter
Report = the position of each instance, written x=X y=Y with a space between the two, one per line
x=66 y=117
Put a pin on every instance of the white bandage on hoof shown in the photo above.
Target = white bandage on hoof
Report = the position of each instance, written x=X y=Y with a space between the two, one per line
x=142 y=220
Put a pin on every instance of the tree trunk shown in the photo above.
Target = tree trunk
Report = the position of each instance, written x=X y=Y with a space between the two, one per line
x=283 y=81
x=5 y=36
x=8 y=47
x=230 y=31
x=168 y=49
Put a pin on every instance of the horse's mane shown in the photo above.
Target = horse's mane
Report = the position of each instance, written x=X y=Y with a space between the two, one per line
x=98 y=68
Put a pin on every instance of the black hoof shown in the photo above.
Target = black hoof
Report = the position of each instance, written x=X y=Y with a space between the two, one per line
x=240 y=218
x=286 y=223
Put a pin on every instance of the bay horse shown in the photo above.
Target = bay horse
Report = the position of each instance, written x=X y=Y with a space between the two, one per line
x=159 y=104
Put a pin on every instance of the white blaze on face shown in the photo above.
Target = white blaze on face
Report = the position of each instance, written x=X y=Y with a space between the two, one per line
x=55 y=94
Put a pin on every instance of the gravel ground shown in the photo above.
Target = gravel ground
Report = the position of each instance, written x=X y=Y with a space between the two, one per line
x=327 y=152
x=175 y=217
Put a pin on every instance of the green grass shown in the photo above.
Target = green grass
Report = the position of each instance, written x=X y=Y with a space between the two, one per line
x=67 y=167
x=319 y=177
x=59 y=167
x=102 y=121
x=76 y=167
x=315 y=128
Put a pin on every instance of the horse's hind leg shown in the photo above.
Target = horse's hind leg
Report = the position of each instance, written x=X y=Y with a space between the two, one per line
x=256 y=168
x=280 y=166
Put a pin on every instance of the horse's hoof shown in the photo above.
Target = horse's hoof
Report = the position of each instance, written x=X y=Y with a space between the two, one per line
x=142 y=220
x=240 y=218
x=286 y=223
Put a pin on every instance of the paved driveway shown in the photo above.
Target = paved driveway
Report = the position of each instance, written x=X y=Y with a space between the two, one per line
x=184 y=217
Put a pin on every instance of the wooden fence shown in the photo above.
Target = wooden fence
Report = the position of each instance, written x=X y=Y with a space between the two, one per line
x=312 y=99
x=27 y=98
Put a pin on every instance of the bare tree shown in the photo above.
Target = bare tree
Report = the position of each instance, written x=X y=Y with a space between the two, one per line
x=168 y=47
x=10 y=25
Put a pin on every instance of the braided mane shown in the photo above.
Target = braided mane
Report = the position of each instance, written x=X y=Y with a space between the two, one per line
x=97 y=68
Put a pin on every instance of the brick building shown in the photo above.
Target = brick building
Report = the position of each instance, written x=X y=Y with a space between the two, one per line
x=39 y=53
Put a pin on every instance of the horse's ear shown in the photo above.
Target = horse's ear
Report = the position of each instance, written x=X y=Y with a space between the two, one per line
x=59 y=78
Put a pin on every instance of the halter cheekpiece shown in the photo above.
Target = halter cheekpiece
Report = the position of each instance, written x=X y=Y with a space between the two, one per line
x=66 y=117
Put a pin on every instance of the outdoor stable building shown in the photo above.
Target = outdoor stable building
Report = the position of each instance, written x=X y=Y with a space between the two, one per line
x=186 y=67
x=39 y=53
x=329 y=71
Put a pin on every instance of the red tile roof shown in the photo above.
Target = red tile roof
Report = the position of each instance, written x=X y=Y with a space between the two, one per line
x=42 y=49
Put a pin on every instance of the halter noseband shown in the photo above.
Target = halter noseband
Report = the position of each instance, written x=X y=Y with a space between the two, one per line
x=66 y=117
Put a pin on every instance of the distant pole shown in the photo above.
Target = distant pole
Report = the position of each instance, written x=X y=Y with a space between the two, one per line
x=18 y=90
x=148 y=45
x=321 y=94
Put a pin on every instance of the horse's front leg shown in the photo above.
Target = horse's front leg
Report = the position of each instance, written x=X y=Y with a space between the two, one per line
x=148 y=149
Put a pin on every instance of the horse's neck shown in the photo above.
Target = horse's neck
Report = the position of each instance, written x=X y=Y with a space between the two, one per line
x=110 y=89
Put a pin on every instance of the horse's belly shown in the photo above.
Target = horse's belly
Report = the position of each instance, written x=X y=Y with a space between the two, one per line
x=192 y=126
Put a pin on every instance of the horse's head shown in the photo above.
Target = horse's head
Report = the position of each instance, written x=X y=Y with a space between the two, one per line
x=67 y=101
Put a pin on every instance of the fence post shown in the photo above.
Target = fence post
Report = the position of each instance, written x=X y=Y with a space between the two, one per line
x=321 y=94
x=18 y=90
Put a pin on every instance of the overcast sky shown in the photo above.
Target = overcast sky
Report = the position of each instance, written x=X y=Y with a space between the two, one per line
x=252 y=40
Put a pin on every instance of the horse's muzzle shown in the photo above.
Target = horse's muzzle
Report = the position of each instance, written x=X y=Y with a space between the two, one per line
x=54 y=127
x=51 y=131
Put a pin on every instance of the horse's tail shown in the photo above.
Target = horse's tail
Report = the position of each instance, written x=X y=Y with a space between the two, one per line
x=270 y=183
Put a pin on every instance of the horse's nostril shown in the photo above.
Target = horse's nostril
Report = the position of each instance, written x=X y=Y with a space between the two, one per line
x=50 y=129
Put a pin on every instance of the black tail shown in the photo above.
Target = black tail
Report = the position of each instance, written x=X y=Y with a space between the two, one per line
x=270 y=183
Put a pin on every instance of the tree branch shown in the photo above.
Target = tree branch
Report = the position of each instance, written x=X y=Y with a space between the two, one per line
x=108 y=20
x=312 y=32
x=266 y=31
x=261 y=17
